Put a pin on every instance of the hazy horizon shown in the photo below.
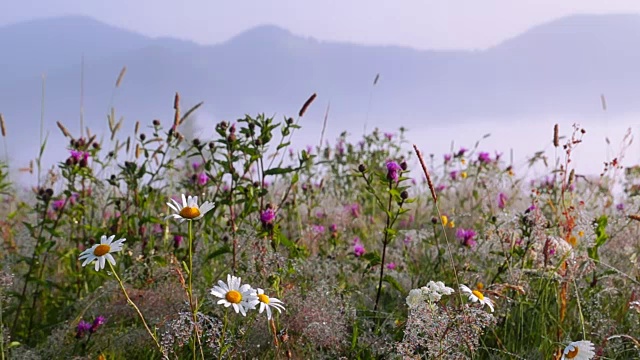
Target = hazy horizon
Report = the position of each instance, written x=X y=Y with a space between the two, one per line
x=456 y=24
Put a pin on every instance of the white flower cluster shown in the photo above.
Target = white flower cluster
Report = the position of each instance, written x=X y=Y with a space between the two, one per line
x=243 y=297
x=432 y=292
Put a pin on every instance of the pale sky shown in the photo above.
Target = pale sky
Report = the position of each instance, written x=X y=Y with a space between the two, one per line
x=424 y=24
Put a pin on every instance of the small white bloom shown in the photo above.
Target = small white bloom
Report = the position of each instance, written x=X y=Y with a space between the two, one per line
x=240 y=297
x=267 y=303
x=579 y=350
x=102 y=251
x=189 y=210
x=477 y=296
x=415 y=298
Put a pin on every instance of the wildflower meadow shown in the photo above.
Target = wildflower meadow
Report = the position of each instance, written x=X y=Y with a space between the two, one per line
x=161 y=244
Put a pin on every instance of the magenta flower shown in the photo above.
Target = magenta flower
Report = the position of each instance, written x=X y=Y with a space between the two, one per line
x=391 y=266
x=466 y=236
x=407 y=240
x=392 y=170
x=389 y=136
x=202 y=179
x=333 y=228
x=453 y=175
x=267 y=216
x=79 y=155
x=447 y=158
x=309 y=149
x=484 y=157
x=358 y=250
x=502 y=200
x=177 y=240
x=82 y=328
x=99 y=321
x=196 y=165
x=57 y=205
x=318 y=229
x=620 y=207
x=355 y=210
x=461 y=152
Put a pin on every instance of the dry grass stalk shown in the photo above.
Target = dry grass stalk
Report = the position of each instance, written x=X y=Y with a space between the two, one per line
x=137 y=127
x=121 y=76
x=556 y=136
x=186 y=115
x=64 y=130
x=2 y=126
x=635 y=217
x=324 y=124
x=137 y=151
x=306 y=105
x=426 y=173
x=176 y=107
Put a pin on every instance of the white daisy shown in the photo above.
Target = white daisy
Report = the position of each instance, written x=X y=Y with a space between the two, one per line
x=267 y=302
x=102 y=251
x=241 y=297
x=477 y=296
x=189 y=210
x=579 y=350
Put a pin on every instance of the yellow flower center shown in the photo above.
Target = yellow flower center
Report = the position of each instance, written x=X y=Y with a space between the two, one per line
x=463 y=174
x=478 y=294
x=263 y=298
x=190 y=212
x=444 y=219
x=480 y=286
x=101 y=250
x=572 y=353
x=233 y=296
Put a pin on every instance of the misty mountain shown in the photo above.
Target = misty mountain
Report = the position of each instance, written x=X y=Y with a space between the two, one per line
x=560 y=67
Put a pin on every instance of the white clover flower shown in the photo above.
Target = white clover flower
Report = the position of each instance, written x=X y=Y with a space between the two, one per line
x=477 y=296
x=101 y=252
x=233 y=293
x=189 y=210
x=579 y=350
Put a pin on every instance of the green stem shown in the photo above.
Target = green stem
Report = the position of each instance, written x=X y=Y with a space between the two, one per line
x=194 y=307
x=384 y=247
x=124 y=291
x=224 y=332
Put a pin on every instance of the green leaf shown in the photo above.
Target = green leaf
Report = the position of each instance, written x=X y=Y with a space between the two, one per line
x=279 y=171
x=225 y=249
x=393 y=282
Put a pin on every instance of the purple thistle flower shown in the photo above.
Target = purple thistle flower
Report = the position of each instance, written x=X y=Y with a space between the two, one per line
x=267 y=216
x=333 y=228
x=466 y=236
x=79 y=155
x=620 y=207
x=392 y=170
x=484 y=157
x=407 y=240
x=447 y=158
x=355 y=210
x=82 y=328
x=318 y=229
x=202 y=179
x=99 y=321
x=391 y=266
x=177 y=240
x=57 y=205
x=196 y=165
x=309 y=149
x=358 y=250
x=453 y=175
x=502 y=200
x=461 y=152
x=389 y=136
